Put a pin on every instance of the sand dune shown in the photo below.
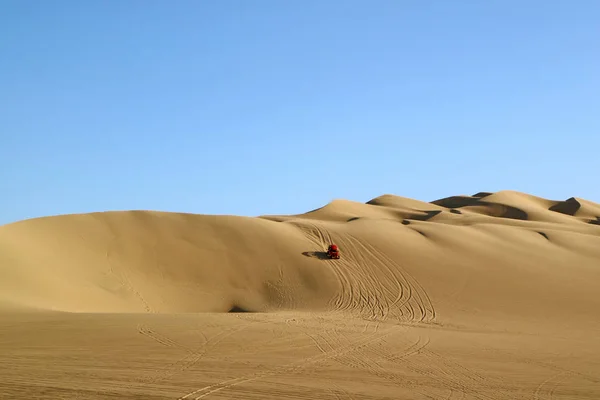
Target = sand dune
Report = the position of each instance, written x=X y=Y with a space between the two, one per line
x=493 y=295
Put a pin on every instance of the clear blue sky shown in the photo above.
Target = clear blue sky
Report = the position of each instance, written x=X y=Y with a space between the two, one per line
x=269 y=106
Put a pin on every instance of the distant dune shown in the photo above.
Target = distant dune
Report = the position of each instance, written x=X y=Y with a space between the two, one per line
x=504 y=261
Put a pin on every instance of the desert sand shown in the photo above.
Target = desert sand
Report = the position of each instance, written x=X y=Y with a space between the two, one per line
x=489 y=296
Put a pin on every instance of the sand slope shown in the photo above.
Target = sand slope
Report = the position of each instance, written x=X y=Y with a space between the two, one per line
x=429 y=300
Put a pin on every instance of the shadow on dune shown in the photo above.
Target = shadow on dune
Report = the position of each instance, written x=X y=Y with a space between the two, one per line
x=420 y=217
x=238 y=309
x=321 y=255
x=457 y=201
x=428 y=215
x=567 y=207
x=504 y=211
x=407 y=222
x=494 y=209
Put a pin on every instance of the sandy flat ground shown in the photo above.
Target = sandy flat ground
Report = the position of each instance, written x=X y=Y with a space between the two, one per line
x=490 y=296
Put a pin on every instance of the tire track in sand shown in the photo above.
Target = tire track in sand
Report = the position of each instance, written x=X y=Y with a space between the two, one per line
x=372 y=284
x=288 y=368
x=344 y=299
x=123 y=278
x=331 y=340
x=382 y=288
x=454 y=376
x=360 y=293
x=159 y=338
x=193 y=356
x=546 y=389
x=416 y=297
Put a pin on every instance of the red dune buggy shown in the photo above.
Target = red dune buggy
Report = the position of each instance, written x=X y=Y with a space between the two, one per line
x=333 y=252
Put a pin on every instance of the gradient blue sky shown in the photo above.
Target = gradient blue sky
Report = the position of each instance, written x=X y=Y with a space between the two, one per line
x=269 y=106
